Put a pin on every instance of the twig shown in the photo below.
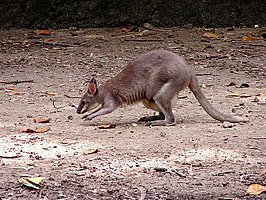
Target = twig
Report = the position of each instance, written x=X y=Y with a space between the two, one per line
x=71 y=96
x=222 y=173
x=143 y=40
x=204 y=74
x=258 y=138
x=17 y=82
x=54 y=44
x=54 y=104
x=73 y=105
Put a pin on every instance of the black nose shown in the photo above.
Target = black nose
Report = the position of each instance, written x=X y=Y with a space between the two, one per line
x=78 y=111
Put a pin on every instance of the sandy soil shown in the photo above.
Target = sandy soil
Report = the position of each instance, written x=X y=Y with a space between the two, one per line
x=199 y=158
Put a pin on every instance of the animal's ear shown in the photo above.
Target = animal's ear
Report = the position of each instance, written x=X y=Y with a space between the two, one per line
x=92 y=86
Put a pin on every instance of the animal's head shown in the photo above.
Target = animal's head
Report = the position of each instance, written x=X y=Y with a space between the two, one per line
x=89 y=100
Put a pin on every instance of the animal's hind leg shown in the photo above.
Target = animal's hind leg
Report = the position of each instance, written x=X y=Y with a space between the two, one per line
x=152 y=118
x=163 y=101
x=151 y=105
x=167 y=111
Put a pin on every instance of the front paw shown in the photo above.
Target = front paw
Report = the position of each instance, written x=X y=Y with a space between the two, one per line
x=86 y=117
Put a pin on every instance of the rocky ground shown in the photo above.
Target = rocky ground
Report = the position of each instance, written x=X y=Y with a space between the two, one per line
x=43 y=74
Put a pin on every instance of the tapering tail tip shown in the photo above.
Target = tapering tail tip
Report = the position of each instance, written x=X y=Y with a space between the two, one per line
x=235 y=119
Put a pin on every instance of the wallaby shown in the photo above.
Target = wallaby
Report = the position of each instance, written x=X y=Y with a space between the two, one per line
x=154 y=78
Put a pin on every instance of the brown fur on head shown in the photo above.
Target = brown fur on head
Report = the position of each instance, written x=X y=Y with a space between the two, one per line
x=89 y=99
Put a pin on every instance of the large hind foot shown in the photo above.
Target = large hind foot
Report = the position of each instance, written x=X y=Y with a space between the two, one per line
x=160 y=123
x=152 y=118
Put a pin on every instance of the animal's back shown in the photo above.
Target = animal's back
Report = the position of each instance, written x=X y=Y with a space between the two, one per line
x=144 y=76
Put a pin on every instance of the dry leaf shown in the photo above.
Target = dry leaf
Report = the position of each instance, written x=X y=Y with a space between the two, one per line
x=255 y=189
x=226 y=39
x=264 y=173
x=249 y=38
x=31 y=182
x=211 y=35
x=43 y=32
x=14 y=93
x=29 y=130
x=42 y=130
x=47 y=40
x=26 y=130
x=125 y=30
x=9 y=89
x=106 y=126
x=90 y=151
x=42 y=120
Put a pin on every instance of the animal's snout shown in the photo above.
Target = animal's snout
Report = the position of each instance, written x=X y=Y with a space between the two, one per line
x=81 y=111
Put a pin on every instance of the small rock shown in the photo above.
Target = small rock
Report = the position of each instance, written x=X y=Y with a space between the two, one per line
x=211 y=130
x=227 y=125
x=244 y=85
x=232 y=28
x=160 y=169
x=70 y=117
x=134 y=125
x=148 y=26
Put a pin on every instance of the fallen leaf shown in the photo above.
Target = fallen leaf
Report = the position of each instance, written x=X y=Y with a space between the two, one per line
x=42 y=120
x=264 y=172
x=226 y=39
x=125 y=30
x=90 y=151
x=249 y=38
x=9 y=89
x=29 y=130
x=42 y=130
x=31 y=182
x=35 y=180
x=47 y=40
x=255 y=189
x=43 y=32
x=14 y=93
x=106 y=126
x=211 y=35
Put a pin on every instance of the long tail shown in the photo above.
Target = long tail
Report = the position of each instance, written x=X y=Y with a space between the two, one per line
x=194 y=87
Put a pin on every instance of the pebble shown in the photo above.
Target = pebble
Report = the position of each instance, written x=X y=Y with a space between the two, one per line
x=227 y=125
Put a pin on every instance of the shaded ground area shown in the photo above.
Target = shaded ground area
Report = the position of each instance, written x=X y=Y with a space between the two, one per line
x=199 y=158
x=102 y=13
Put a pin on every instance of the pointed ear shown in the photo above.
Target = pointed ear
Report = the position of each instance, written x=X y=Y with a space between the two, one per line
x=92 y=89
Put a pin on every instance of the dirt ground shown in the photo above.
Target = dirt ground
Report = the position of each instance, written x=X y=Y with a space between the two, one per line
x=198 y=158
